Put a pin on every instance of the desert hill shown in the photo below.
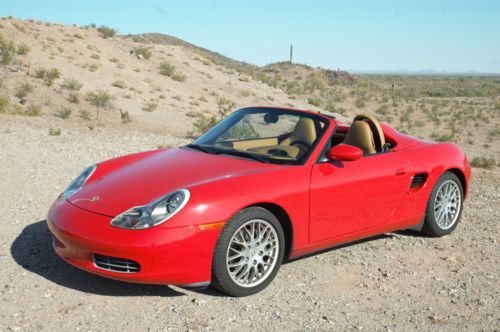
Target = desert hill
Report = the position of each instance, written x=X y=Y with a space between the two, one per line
x=67 y=76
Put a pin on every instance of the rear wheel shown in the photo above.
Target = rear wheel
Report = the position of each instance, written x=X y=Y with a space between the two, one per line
x=248 y=253
x=444 y=207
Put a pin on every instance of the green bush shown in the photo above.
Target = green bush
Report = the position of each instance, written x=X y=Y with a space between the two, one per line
x=106 y=32
x=150 y=106
x=7 y=51
x=169 y=70
x=74 y=98
x=205 y=122
x=85 y=115
x=23 y=90
x=314 y=101
x=145 y=52
x=382 y=110
x=125 y=117
x=71 y=85
x=33 y=110
x=40 y=73
x=360 y=102
x=22 y=49
x=48 y=75
x=483 y=162
x=54 y=132
x=100 y=99
x=63 y=113
x=4 y=103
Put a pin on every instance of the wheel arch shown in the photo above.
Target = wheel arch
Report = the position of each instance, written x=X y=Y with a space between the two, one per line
x=461 y=177
x=284 y=220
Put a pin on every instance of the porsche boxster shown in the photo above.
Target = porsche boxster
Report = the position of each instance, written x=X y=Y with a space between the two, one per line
x=262 y=186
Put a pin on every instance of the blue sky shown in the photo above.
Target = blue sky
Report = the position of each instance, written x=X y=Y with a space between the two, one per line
x=383 y=35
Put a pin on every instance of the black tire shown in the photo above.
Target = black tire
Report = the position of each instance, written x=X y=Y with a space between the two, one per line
x=431 y=225
x=221 y=280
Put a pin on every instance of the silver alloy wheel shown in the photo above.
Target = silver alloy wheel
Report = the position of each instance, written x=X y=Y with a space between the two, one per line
x=252 y=253
x=447 y=204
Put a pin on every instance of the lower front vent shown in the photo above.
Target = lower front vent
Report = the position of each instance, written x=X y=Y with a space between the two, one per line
x=116 y=264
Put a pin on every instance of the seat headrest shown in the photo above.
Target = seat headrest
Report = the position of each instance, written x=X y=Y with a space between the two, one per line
x=360 y=135
x=304 y=131
x=378 y=133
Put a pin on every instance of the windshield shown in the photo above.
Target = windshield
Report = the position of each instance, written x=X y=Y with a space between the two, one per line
x=264 y=134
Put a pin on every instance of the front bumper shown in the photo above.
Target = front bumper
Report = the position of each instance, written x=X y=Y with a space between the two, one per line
x=176 y=256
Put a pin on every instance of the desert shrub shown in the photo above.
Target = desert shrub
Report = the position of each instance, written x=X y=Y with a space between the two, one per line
x=331 y=107
x=23 y=90
x=85 y=115
x=382 y=110
x=54 y=132
x=77 y=35
x=100 y=99
x=7 y=51
x=33 y=110
x=47 y=75
x=63 y=112
x=106 y=32
x=95 y=56
x=40 y=73
x=314 y=101
x=293 y=87
x=360 y=102
x=145 y=52
x=74 y=98
x=22 y=49
x=119 y=84
x=125 y=117
x=169 y=70
x=483 y=162
x=443 y=137
x=71 y=85
x=314 y=82
x=4 y=103
x=150 y=106
x=245 y=93
x=205 y=122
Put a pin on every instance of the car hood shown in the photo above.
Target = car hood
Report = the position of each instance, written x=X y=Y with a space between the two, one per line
x=143 y=180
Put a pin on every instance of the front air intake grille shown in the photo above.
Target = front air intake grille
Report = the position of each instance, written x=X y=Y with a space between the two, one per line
x=116 y=264
x=418 y=180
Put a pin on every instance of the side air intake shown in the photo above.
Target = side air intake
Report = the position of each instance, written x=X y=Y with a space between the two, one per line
x=418 y=180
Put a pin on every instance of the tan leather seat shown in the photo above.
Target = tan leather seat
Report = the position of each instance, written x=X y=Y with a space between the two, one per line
x=304 y=132
x=366 y=133
x=361 y=135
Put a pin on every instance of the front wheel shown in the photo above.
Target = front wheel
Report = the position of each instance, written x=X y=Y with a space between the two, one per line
x=248 y=253
x=444 y=208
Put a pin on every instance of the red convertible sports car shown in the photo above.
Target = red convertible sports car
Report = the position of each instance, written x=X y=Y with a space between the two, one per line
x=263 y=185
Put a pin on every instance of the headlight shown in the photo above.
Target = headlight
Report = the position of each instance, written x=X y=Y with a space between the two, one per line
x=154 y=213
x=78 y=183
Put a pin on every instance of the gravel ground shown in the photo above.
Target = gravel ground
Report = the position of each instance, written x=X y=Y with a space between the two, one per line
x=397 y=281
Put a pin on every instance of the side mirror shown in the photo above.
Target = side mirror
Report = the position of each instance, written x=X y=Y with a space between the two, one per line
x=345 y=152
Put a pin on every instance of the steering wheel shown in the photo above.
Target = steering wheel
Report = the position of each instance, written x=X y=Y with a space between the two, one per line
x=304 y=144
x=278 y=153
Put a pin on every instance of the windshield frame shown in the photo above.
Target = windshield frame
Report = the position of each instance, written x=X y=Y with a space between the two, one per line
x=214 y=132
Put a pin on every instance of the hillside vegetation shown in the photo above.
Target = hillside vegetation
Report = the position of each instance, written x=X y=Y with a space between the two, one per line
x=89 y=76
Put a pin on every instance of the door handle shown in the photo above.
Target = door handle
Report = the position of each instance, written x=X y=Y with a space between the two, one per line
x=402 y=171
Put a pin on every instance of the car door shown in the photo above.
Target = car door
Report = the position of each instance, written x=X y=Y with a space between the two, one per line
x=355 y=196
